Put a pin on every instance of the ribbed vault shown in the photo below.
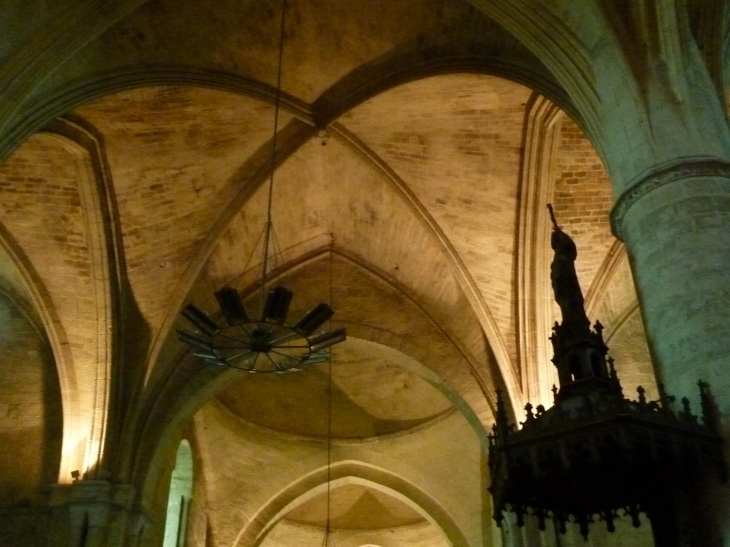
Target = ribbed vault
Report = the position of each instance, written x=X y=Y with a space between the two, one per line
x=418 y=144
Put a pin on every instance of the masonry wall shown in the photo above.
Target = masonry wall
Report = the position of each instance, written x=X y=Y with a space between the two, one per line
x=583 y=199
x=30 y=426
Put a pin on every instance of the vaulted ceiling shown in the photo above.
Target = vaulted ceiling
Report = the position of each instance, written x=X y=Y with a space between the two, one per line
x=412 y=171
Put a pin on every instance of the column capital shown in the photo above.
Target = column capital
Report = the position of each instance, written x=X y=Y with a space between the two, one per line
x=680 y=169
x=94 y=492
x=101 y=511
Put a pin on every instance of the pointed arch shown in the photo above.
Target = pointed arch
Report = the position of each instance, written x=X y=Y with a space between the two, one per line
x=178 y=499
x=79 y=352
x=349 y=472
x=191 y=385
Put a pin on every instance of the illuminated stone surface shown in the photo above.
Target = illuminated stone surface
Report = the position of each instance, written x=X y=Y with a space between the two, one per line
x=406 y=134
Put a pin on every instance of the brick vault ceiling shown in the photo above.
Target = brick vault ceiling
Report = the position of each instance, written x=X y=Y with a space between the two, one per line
x=177 y=154
x=433 y=161
x=418 y=175
x=372 y=395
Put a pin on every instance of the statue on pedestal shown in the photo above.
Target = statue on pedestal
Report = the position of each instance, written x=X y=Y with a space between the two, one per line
x=564 y=278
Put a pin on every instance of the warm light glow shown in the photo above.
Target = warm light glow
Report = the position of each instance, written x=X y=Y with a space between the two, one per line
x=72 y=456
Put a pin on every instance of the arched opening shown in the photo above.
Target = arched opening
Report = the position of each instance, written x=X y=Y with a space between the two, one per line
x=576 y=367
x=178 y=502
x=361 y=512
x=595 y=364
x=302 y=507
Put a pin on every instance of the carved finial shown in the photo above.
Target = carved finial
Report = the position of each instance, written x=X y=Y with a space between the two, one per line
x=686 y=408
x=613 y=375
x=667 y=401
x=530 y=415
x=634 y=511
x=502 y=420
x=599 y=328
x=709 y=410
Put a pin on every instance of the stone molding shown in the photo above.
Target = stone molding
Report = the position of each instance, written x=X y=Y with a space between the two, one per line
x=602 y=281
x=107 y=264
x=97 y=513
x=308 y=486
x=335 y=441
x=79 y=92
x=684 y=168
x=534 y=311
x=456 y=264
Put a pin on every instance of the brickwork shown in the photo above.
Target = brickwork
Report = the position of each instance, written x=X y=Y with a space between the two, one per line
x=625 y=336
x=456 y=140
x=40 y=204
x=177 y=159
x=583 y=199
x=618 y=298
x=173 y=180
x=43 y=206
x=627 y=345
x=253 y=467
x=287 y=533
x=327 y=189
x=30 y=411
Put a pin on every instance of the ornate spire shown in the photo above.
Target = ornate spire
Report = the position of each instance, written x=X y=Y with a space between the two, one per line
x=595 y=452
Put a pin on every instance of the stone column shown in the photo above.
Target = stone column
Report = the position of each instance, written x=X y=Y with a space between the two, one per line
x=675 y=223
x=95 y=513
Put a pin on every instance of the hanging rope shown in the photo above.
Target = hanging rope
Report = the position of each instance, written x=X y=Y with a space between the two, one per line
x=277 y=100
x=329 y=403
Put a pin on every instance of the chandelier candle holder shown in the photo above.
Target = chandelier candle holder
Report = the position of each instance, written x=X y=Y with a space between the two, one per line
x=264 y=345
x=267 y=344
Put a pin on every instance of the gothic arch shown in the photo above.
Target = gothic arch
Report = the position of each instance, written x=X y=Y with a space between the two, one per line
x=190 y=385
x=84 y=429
x=353 y=472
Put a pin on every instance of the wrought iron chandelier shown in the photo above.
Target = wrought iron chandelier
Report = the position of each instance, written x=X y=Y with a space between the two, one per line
x=266 y=344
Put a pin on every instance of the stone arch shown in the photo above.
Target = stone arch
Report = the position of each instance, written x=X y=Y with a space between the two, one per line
x=320 y=113
x=387 y=73
x=33 y=290
x=85 y=421
x=551 y=40
x=301 y=133
x=181 y=489
x=352 y=472
x=31 y=423
x=107 y=264
x=192 y=385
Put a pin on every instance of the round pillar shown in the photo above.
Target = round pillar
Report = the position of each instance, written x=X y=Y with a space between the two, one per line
x=676 y=227
x=675 y=223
